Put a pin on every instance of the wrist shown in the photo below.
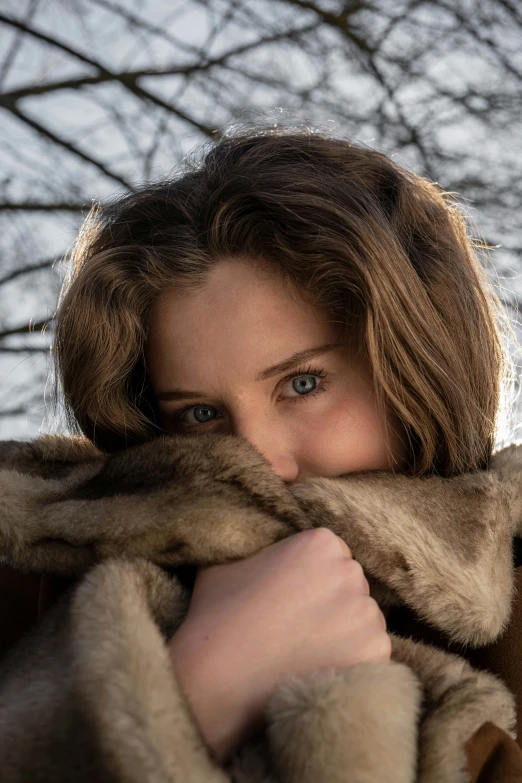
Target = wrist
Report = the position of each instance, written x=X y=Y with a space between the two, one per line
x=215 y=692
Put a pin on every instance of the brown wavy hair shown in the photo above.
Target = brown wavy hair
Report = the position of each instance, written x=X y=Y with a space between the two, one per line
x=382 y=251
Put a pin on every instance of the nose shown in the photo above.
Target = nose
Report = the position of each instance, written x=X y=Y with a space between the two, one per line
x=282 y=462
x=285 y=472
x=277 y=448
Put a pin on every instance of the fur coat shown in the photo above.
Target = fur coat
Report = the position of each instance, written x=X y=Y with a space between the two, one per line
x=90 y=694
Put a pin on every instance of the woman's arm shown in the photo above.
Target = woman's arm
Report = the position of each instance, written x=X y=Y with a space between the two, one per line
x=296 y=607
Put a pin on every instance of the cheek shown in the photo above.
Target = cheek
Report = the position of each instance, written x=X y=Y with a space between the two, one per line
x=347 y=438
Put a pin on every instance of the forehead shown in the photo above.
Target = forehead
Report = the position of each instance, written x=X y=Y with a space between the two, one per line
x=242 y=312
x=234 y=293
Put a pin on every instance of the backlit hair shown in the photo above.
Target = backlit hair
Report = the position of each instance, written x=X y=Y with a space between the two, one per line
x=383 y=252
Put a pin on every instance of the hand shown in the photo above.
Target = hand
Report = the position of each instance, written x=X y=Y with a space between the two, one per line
x=295 y=607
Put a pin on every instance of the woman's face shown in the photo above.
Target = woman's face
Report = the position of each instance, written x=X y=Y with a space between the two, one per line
x=210 y=352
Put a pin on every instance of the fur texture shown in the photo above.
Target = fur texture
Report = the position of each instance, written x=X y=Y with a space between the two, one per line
x=91 y=693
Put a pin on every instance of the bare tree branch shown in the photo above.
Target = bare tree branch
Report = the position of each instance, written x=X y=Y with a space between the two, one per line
x=127 y=79
x=51 y=41
x=512 y=10
x=34 y=206
x=26 y=328
x=143 y=24
x=24 y=349
x=26 y=270
x=69 y=146
x=340 y=21
x=15 y=44
x=8 y=412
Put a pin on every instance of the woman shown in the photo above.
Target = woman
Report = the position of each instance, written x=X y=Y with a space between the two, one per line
x=283 y=267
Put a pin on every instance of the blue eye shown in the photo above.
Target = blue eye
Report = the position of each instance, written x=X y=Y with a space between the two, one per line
x=203 y=412
x=300 y=386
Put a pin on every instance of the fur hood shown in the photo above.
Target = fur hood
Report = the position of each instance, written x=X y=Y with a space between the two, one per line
x=91 y=695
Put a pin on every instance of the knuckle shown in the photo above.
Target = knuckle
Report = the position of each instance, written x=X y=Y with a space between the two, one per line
x=355 y=569
x=373 y=608
x=356 y=577
x=383 y=647
x=324 y=538
x=370 y=615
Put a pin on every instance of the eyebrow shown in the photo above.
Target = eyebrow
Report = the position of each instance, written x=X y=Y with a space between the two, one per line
x=275 y=369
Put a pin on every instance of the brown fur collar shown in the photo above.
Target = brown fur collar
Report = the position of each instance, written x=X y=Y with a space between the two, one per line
x=93 y=689
x=442 y=546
